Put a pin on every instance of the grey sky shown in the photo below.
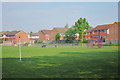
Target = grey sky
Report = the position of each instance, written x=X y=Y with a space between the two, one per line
x=33 y=16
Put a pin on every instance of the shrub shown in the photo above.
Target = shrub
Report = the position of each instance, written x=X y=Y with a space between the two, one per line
x=80 y=41
x=111 y=44
x=38 y=42
x=85 y=41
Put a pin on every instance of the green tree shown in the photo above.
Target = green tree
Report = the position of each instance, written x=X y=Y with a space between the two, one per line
x=80 y=26
x=69 y=35
x=66 y=25
x=39 y=31
x=57 y=37
x=1 y=39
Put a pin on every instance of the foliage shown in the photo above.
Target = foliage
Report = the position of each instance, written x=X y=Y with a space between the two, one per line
x=57 y=37
x=69 y=35
x=38 y=42
x=66 y=25
x=39 y=31
x=80 y=26
x=111 y=44
x=85 y=41
x=26 y=44
x=1 y=39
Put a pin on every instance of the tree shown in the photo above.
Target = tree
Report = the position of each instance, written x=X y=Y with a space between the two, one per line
x=39 y=31
x=66 y=26
x=69 y=35
x=57 y=37
x=80 y=26
x=1 y=39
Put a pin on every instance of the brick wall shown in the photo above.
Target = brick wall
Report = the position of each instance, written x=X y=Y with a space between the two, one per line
x=111 y=37
x=23 y=37
x=41 y=36
x=113 y=32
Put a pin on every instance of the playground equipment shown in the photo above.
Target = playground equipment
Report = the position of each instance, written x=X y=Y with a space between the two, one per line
x=14 y=43
x=30 y=44
x=95 y=41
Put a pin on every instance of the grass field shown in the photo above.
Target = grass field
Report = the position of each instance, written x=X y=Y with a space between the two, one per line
x=60 y=62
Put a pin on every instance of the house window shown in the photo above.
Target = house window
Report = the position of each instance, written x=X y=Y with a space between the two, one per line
x=108 y=31
x=105 y=31
x=97 y=31
x=93 y=32
x=47 y=34
x=88 y=37
x=86 y=33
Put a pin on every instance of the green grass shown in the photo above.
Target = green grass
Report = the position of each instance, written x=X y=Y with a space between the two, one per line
x=60 y=62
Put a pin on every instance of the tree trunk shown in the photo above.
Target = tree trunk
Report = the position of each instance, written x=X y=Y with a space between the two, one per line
x=82 y=38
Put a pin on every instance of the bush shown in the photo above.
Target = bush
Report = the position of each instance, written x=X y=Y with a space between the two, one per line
x=1 y=40
x=38 y=42
x=26 y=44
x=111 y=44
x=85 y=41
x=80 y=41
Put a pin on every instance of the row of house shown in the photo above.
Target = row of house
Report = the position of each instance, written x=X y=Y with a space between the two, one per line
x=44 y=35
x=109 y=32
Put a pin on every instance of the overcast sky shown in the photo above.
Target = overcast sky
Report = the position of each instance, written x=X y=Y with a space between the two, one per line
x=34 y=16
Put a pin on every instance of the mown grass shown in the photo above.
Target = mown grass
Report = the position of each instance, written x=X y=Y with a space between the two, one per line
x=60 y=62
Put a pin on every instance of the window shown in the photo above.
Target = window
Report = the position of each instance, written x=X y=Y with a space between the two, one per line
x=47 y=34
x=105 y=31
x=93 y=32
x=86 y=33
x=88 y=37
x=97 y=31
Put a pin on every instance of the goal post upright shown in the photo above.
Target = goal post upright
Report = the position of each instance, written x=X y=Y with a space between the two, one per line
x=19 y=48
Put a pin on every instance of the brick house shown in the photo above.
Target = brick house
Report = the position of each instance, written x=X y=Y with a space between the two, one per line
x=10 y=36
x=61 y=31
x=109 y=32
x=33 y=37
x=49 y=35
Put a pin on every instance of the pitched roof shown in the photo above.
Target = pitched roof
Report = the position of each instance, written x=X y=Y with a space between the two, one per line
x=100 y=27
x=10 y=33
x=33 y=34
x=46 y=31
x=2 y=32
x=61 y=29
